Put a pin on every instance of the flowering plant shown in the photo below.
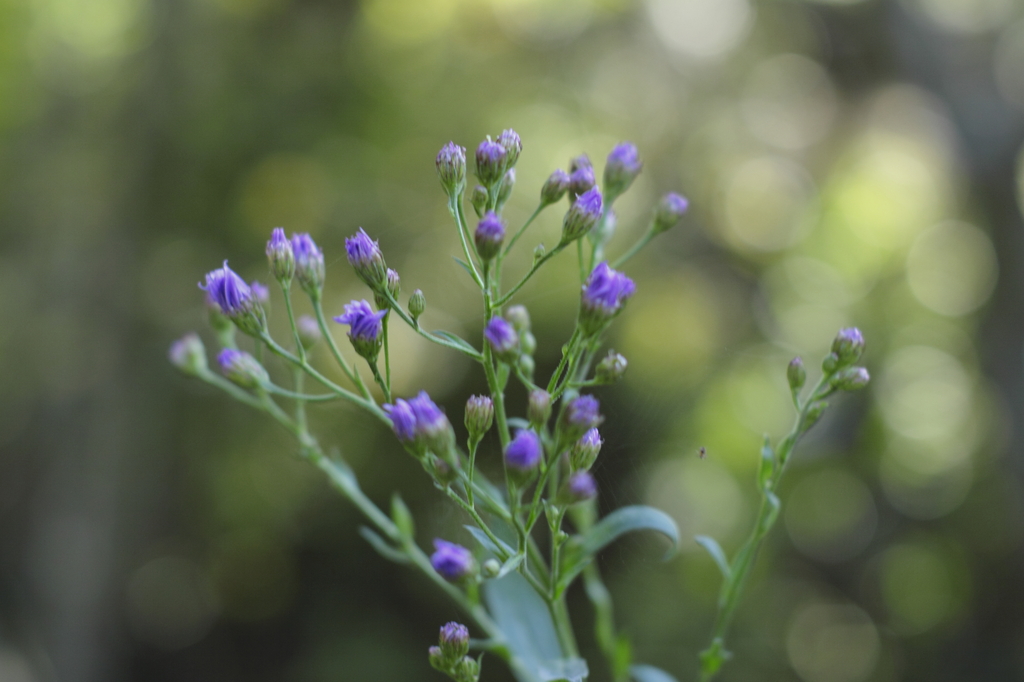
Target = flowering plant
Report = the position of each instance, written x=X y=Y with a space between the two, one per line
x=510 y=586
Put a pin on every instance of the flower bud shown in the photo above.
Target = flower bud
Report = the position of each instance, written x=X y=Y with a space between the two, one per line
x=830 y=364
x=235 y=299
x=850 y=379
x=668 y=212
x=440 y=470
x=581 y=181
x=579 y=487
x=621 y=169
x=490 y=162
x=451 y=168
x=365 y=328
x=584 y=451
x=479 y=200
x=796 y=374
x=260 y=292
x=421 y=424
x=513 y=146
x=814 y=413
x=582 y=215
x=453 y=562
x=524 y=453
x=848 y=346
x=479 y=416
x=366 y=259
x=454 y=642
x=503 y=340
x=554 y=187
x=309 y=265
x=188 y=354
x=519 y=317
x=490 y=568
x=580 y=415
x=417 y=304
x=538 y=408
x=394 y=287
x=467 y=670
x=489 y=235
x=242 y=368
x=527 y=366
x=603 y=297
x=528 y=342
x=436 y=659
x=538 y=252
x=280 y=257
x=508 y=181
x=610 y=369
x=309 y=331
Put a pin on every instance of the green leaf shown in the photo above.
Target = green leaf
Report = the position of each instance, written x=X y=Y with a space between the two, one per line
x=715 y=550
x=518 y=423
x=524 y=619
x=581 y=549
x=767 y=468
x=457 y=342
x=402 y=517
x=510 y=565
x=488 y=544
x=564 y=670
x=465 y=266
x=382 y=546
x=648 y=673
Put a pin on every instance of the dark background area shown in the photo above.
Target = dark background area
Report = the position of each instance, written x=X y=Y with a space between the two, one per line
x=847 y=163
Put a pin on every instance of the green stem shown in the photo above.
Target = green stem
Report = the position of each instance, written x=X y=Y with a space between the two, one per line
x=635 y=249
x=526 y=278
x=387 y=355
x=351 y=373
x=474 y=354
x=455 y=208
x=521 y=230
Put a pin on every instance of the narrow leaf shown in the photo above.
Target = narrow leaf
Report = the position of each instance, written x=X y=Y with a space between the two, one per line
x=524 y=619
x=715 y=550
x=648 y=673
x=402 y=517
x=564 y=670
x=767 y=468
x=382 y=547
x=510 y=565
x=454 y=340
x=464 y=265
x=488 y=544
x=518 y=423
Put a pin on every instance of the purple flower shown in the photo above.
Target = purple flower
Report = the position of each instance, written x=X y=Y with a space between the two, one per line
x=513 y=146
x=261 y=292
x=454 y=641
x=490 y=162
x=280 y=257
x=309 y=264
x=365 y=328
x=489 y=235
x=554 y=187
x=242 y=368
x=403 y=420
x=621 y=169
x=581 y=180
x=669 y=211
x=451 y=168
x=502 y=338
x=524 y=452
x=581 y=161
x=453 y=562
x=232 y=295
x=365 y=257
x=584 y=452
x=420 y=422
x=582 y=215
x=581 y=414
x=603 y=296
x=580 y=486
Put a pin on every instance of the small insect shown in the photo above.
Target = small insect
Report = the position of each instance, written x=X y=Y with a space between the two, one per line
x=703 y=452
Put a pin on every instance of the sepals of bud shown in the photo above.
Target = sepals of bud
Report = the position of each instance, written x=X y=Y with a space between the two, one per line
x=610 y=369
x=490 y=162
x=242 y=368
x=582 y=215
x=669 y=212
x=538 y=408
x=850 y=379
x=489 y=236
x=281 y=257
x=367 y=260
x=453 y=641
x=584 y=451
x=503 y=340
x=451 y=168
x=554 y=187
x=621 y=169
x=519 y=317
x=603 y=297
x=393 y=284
x=479 y=416
x=848 y=346
x=513 y=146
x=188 y=354
x=309 y=265
x=479 y=200
x=796 y=375
x=417 y=304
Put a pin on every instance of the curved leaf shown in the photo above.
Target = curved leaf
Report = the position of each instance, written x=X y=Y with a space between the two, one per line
x=524 y=619
x=454 y=341
x=648 y=673
x=715 y=550
x=488 y=544
x=382 y=546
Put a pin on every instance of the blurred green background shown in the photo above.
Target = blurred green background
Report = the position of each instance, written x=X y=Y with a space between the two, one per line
x=847 y=163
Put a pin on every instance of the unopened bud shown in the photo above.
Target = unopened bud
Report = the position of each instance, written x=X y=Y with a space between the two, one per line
x=528 y=342
x=242 y=368
x=621 y=169
x=796 y=374
x=467 y=670
x=394 y=287
x=490 y=568
x=538 y=252
x=451 y=168
x=579 y=487
x=490 y=161
x=502 y=339
x=309 y=331
x=519 y=317
x=668 y=212
x=454 y=641
x=554 y=187
x=479 y=200
x=479 y=416
x=417 y=304
x=850 y=379
x=538 y=409
x=188 y=354
x=507 y=183
x=280 y=257
x=582 y=215
x=830 y=364
x=309 y=264
x=584 y=451
x=513 y=146
x=489 y=235
x=611 y=369
x=848 y=346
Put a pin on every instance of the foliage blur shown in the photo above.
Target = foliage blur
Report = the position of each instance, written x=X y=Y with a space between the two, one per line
x=847 y=163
